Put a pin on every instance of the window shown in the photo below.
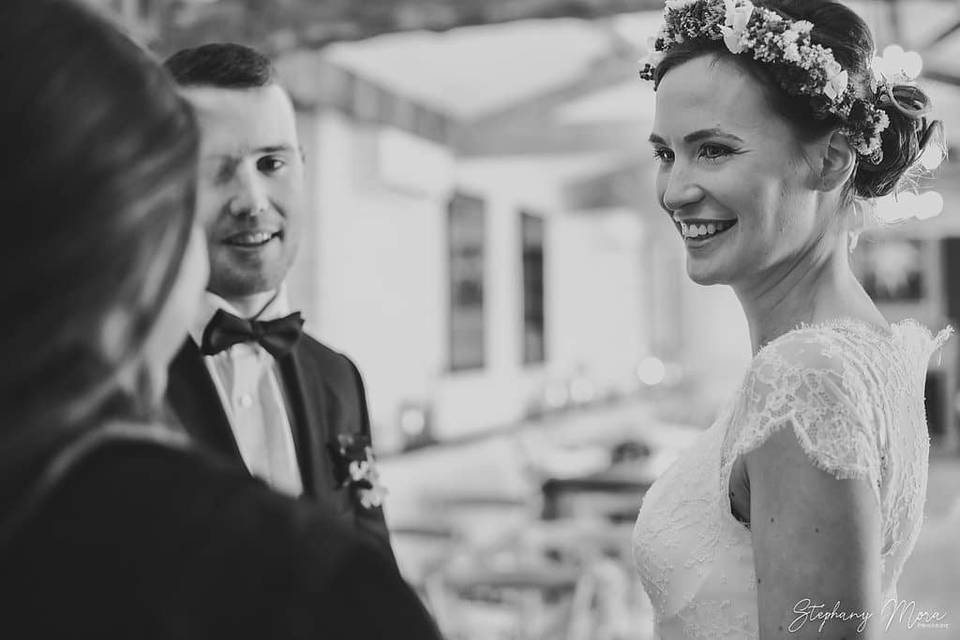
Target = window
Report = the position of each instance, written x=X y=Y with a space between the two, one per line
x=534 y=334
x=467 y=242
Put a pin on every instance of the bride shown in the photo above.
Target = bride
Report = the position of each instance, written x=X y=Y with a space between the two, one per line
x=794 y=513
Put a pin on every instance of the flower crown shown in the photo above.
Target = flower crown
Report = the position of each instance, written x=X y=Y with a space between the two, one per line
x=801 y=67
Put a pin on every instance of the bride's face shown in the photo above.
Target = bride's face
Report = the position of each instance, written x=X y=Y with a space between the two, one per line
x=732 y=174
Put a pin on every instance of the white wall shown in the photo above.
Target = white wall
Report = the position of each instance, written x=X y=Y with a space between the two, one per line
x=716 y=341
x=599 y=309
x=369 y=271
x=372 y=277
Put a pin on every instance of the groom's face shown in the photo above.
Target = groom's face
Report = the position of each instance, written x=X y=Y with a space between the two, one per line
x=250 y=186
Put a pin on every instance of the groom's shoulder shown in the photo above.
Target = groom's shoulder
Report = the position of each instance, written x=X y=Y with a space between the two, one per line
x=337 y=368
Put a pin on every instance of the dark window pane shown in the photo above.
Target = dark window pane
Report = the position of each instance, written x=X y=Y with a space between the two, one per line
x=467 y=243
x=534 y=333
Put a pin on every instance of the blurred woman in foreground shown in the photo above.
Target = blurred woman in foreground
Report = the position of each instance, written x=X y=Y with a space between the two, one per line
x=111 y=526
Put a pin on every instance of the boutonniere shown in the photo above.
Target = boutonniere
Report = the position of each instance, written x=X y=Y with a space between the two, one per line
x=356 y=468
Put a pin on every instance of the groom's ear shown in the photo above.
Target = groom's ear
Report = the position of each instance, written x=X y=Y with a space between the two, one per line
x=836 y=162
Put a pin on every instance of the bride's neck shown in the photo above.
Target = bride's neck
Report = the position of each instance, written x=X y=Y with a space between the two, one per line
x=815 y=287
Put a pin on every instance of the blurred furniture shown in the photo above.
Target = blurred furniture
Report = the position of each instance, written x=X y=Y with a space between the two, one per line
x=614 y=493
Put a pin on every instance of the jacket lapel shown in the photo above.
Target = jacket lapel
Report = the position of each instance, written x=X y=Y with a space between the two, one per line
x=195 y=402
x=306 y=403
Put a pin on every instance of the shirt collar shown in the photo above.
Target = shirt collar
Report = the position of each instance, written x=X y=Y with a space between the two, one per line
x=278 y=307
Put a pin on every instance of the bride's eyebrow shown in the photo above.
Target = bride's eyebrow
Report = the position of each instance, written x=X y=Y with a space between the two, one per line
x=697 y=136
x=703 y=134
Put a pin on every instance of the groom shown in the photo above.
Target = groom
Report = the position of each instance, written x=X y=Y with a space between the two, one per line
x=248 y=383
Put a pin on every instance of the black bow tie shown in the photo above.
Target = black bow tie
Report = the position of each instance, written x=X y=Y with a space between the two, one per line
x=276 y=336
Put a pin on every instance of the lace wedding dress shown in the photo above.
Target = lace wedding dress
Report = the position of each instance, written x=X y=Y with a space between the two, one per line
x=853 y=394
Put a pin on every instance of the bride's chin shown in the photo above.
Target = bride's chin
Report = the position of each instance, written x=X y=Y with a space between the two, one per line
x=705 y=277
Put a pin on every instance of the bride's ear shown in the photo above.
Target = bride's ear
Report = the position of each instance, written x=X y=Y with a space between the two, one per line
x=838 y=159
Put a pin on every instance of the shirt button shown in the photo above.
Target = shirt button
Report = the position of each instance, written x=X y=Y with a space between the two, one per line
x=245 y=401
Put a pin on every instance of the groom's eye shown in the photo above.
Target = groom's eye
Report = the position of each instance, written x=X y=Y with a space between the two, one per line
x=270 y=164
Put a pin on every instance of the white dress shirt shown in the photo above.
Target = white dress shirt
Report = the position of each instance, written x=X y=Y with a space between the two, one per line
x=249 y=384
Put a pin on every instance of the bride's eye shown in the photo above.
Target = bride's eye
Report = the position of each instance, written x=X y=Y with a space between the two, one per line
x=714 y=151
x=663 y=154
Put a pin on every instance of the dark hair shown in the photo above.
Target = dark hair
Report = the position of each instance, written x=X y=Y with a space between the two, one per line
x=98 y=162
x=222 y=64
x=848 y=37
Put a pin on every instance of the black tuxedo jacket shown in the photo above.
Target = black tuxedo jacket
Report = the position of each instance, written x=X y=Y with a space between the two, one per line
x=325 y=398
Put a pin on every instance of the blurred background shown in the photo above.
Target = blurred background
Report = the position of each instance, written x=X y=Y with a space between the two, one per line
x=485 y=243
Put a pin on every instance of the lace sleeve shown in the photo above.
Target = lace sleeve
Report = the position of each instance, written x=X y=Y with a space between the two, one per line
x=808 y=382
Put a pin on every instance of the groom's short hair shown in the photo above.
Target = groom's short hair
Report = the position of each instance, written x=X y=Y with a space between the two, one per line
x=225 y=65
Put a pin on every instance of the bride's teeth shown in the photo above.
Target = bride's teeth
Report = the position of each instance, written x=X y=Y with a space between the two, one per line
x=253 y=238
x=702 y=230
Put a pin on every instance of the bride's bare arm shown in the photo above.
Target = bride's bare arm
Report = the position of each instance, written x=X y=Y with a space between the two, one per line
x=816 y=545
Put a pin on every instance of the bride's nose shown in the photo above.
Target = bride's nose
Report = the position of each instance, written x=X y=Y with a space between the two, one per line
x=679 y=188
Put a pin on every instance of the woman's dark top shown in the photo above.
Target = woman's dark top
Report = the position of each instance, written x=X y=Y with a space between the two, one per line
x=139 y=541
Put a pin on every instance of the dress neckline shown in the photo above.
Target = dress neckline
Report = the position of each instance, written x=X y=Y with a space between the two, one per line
x=896 y=332
x=850 y=322
x=842 y=322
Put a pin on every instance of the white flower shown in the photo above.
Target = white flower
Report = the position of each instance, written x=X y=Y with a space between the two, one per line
x=360 y=470
x=836 y=86
x=791 y=53
x=735 y=26
x=802 y=26
x=365 y=472
x=832 y=68
x=883 y=121
x=732 y=40
x=372 y=497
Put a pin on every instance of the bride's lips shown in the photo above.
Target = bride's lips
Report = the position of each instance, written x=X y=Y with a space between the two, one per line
x=699 y=231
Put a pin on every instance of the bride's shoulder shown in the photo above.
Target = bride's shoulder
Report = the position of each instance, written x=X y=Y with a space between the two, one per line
x=825 y=348
x=849 y=347
x=817 y=381
x=815 y=371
